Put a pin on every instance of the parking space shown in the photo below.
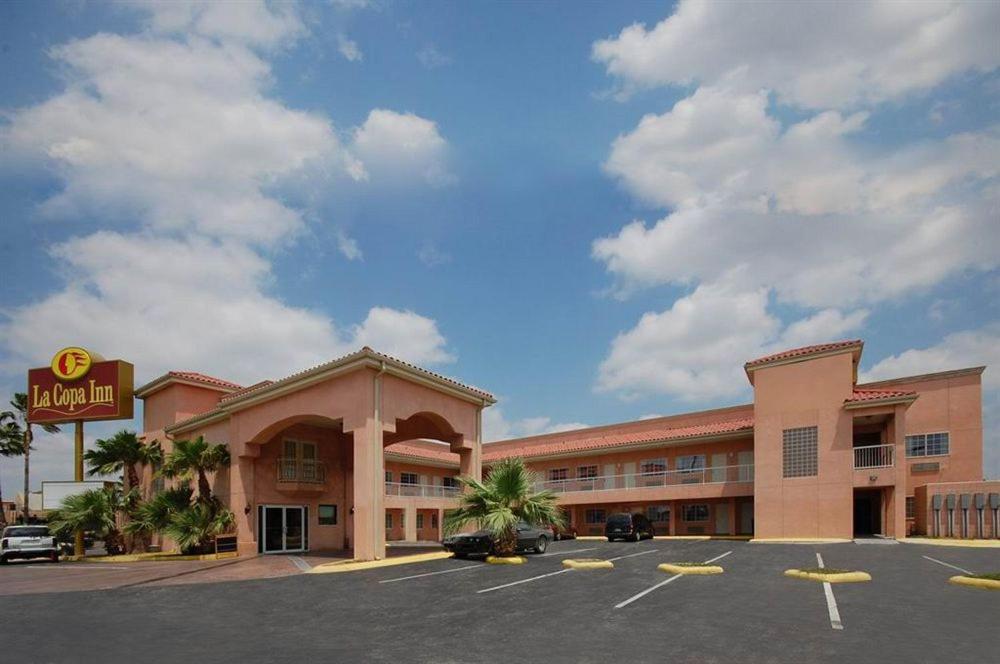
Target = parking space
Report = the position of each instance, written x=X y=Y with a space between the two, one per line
x=453 y=610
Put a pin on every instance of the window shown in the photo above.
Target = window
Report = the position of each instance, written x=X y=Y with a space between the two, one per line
x=388 y=521
x=799 y=451
x=927 y=444
x=388 y=476
x=408 y=478
x=449 y=482
x=690 y=463
x=653 y=466
x=695 y=512
x=159 y=483
x=556 y=474
x=420 y=521
x=594 y=516
x=911 y=507
x=586 y=472
x=658 y=513
x=328 y=515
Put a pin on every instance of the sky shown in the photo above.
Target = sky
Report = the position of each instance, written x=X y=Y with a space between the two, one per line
x=596 y=211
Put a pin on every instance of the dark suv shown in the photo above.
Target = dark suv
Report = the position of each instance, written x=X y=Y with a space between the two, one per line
x=632 y=527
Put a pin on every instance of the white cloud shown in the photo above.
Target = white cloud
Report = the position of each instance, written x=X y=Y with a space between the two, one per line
x=402 y=146
x=349 y=49
x=431 y=256
x=695 y=350
x=250 y=22
x=496 y=426
x=348 y=246
x=968 y=348
x=404 y=334
x=813 y=55
x=818 y=219
x=431 y=58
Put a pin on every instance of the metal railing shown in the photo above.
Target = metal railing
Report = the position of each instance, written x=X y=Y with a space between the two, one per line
x=301 y=470
x=873 y=456
x=712 y=475
x=421 y=490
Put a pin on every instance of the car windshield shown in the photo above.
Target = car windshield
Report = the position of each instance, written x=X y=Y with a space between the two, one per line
x=26 y=531
x=620 y=519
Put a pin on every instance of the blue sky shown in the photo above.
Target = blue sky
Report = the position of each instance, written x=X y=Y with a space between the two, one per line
x=596 y=211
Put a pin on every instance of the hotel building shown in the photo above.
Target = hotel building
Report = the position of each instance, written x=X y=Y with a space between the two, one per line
x=366 y=448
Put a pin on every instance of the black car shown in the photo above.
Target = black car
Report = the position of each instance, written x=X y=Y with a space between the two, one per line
x=480 y=543
x=632 y=527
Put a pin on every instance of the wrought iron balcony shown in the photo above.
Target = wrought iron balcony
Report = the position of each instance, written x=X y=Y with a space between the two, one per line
x=306 y=471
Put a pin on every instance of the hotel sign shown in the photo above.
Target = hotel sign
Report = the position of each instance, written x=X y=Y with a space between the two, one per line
x=80 y=386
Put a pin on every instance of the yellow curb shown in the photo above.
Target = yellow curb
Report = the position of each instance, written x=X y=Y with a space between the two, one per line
x=843 y=577
x=506 y=560
x=587 y=563
x=801 y=540
x=689 y=569
x=944 y=541
x=355 y=565
x=694 y=538
x=157 y=557
x=986 y=584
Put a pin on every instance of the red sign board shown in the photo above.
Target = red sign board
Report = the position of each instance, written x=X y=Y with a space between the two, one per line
x=75 y=387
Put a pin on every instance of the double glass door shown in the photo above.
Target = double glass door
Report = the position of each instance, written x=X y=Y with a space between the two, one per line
x=283 y=528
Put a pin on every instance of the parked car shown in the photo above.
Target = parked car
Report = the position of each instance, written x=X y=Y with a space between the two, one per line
x=632 y=527
x=480 y=543
x=563 y=533
x=28 y=542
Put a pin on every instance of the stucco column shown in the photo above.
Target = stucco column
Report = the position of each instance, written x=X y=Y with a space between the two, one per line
x=897 y=430
x=410 y=522
x=241 y=495
x=732 y=516
x=440 y=528
x=675 y=507
x=369 y=493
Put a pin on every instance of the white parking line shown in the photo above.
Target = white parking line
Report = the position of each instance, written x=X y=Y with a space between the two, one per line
x=563 y=553
x=562 y=571
x=663 y=583
x=941 y=562
x=300 y=563
x=445 y=571
x=831 y=602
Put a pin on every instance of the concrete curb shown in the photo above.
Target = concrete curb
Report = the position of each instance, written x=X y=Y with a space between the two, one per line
x=972 y=582
x=587 y=563
x=356 y=565
x=670 y=568
x=506 y=560
x=801 y=540
x=158 y=557
x=841 y=577
x=971 y=544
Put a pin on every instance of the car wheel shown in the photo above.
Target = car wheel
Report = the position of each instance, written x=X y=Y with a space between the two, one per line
x=462 y=556
x=611 y=539
x=558 y=537
x=541 y=544
x=3 y=560
x=54 y=557
x=637 y=537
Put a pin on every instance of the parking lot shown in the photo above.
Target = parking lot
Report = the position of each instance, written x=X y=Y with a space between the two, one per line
x=464 y=610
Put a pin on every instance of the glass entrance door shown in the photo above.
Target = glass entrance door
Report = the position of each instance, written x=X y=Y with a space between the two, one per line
x=283 y=528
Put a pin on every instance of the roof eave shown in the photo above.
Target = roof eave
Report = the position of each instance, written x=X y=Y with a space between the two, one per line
x=871 y=403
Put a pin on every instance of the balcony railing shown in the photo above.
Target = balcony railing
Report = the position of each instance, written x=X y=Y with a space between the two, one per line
x=421 y=490
x=301 y=470
x=714 y=475
x=873 y=456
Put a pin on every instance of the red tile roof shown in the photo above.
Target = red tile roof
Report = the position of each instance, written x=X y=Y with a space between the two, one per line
x=613 y=440
x=202 y=378
x=402 y=449
x=245 y=390
x=804 y=351
x=861 y=396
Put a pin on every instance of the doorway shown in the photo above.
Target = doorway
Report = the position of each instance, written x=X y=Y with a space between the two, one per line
x=282 y=528
x=867 y=513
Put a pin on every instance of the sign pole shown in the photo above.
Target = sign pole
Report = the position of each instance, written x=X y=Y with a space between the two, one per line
x=78 y=547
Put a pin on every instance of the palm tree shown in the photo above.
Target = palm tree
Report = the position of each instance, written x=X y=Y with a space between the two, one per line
x=11 y=444
x=94 y=510
x=195 y=528
x=155 y=514
x=121 y=454
x=190 y=458
x=21 y=431
x=500 y=501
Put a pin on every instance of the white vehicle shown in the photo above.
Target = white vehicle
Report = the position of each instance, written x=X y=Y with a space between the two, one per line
x=28 y=542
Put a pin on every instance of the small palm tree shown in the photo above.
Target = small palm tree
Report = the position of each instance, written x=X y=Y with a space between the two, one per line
x=500 y=501
x=95 y=510
x=194 y=528
x=11 y=444
x=196 y=458
x=122 y=453
x=155 y=514
x=20 y=436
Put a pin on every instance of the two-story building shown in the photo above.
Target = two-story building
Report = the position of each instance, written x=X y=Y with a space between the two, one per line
x=366 y=449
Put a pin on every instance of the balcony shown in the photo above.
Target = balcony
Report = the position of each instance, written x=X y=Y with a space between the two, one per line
x=421 y=490
x=716 y=475
x=297 y=475
x=873 y=456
